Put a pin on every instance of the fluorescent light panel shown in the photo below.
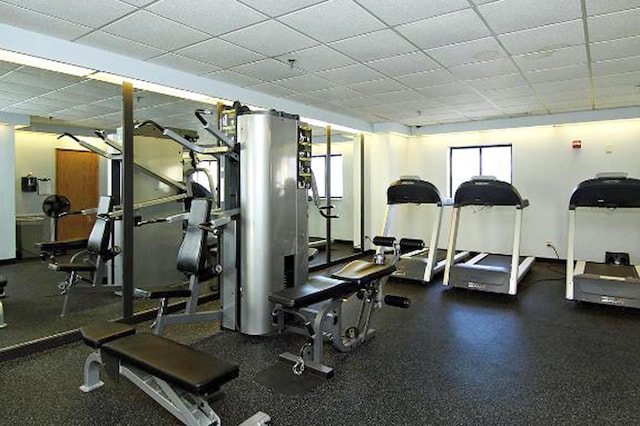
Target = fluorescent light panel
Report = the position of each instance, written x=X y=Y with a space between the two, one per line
x=46 y=64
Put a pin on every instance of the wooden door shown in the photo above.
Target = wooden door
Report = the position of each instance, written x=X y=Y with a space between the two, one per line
x=77 y=179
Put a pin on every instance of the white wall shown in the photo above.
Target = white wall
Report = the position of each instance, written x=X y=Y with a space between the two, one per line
x=545 y=170
x=35 y=153
x=7 y=189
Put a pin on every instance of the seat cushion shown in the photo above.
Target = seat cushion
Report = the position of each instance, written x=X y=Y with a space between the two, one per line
x=162 y=292
x=62 y=245
x=95 y=335
x=315 y=290
x=363 y=272
x=72 y=267
x=188 y=368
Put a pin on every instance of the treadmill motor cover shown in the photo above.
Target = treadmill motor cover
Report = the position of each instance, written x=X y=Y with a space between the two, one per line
x=607 y=192
x=413 y=191
x=488 y=192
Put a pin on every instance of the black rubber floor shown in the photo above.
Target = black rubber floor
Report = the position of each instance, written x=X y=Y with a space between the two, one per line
x=454 y=358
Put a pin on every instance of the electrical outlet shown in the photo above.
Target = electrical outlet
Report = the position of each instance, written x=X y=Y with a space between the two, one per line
x=549 y=243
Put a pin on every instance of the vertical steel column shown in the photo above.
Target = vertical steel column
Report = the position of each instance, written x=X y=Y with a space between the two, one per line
x=362 y=209
x=127 y=200
x=327 y=192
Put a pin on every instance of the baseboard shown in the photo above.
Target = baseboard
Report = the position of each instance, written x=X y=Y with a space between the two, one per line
x=8 y=261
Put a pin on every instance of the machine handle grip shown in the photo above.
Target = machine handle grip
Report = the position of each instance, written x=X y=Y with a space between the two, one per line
x=69 y=135
x=327 y=216
x=397 y=301
x=199 y=115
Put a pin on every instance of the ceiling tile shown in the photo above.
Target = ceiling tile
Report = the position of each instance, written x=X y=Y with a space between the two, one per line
x=436 y=31
x=400 y=12
x=402 y=96
x=515 y=15
x=569 y=106
x=552 y=58
x=524 y=102
x=471 y=51
x=40 y=78
x=614 y=25
x=305 y=83
x=615 y=49
x=270 y=38
x=597 y=7
x=333 y=20
x=426 y=79
x=220 y=53
x=183 y=63
x=549 y=37
x=120 y=45
x=22 y=90
x=234 y=78
x=351 y=74
x=377 y=86
x=376 y=45
x=404 y=64
x=556 y=87
x=498 y=82
x=229 y=15
x=448 y=89
x=272 y=89
x=616 y=66
x=267 y=70
x=154 y=30
x=139 y=3
x=335 y=94
x=630 y=79
x=558 y=74
x=469 y=98
x=318 y=58
x=484 y=69
x=279 y=7
x=507 y=93
x=34 y=21
x=359 y=102
x=88 y=13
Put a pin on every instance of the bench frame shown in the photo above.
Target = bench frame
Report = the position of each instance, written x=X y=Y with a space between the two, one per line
x=190 y=409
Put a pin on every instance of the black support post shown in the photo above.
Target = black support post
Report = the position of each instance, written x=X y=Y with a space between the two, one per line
x=327 y=192
x=362 y=210
x=127 y=201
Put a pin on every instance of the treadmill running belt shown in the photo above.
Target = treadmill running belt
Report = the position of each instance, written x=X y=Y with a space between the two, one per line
x=500 y=260
x=622 y=271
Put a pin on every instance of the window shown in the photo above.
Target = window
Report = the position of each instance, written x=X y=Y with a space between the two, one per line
x=466 y=162
x=337 y=178
x=202 y=179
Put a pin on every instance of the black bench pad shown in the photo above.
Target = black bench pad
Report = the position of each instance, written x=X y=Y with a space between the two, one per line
x=192 y=370
x=317 y=289
x=162 y=292
x=62 y=244
x=72 y=267
x=362 y=272
x=98 y=334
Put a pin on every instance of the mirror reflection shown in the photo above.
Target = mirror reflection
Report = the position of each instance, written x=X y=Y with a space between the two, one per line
x=49 y=118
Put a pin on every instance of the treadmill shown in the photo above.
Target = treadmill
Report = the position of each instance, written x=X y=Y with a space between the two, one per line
x=616 y=281
x=496 y=273
x=417 y=263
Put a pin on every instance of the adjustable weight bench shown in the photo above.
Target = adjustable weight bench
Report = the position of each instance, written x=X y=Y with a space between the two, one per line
x=178 y=377
x=323 y=304
x=3 y=284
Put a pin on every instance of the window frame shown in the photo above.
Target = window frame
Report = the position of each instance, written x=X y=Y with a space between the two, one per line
x=480 y=148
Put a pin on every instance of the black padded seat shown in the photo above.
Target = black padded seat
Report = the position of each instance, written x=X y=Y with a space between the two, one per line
x=362 y=272
x=162 y=292
x=63 y=245
x=98 y=334
x=72 y=267
x=194 y=371
x=315 y=290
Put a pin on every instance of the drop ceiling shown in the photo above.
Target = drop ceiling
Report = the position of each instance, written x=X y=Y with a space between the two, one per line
x=414 y=62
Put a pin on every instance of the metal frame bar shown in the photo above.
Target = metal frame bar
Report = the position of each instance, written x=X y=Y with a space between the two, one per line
x=127 y=200
x=571 y=240
x=514 y=276
x=433 y=245
x=327 y=193
x=451 y=245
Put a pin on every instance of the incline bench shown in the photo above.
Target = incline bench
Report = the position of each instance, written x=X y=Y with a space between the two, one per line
x=178 y=377
x=323 y=305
